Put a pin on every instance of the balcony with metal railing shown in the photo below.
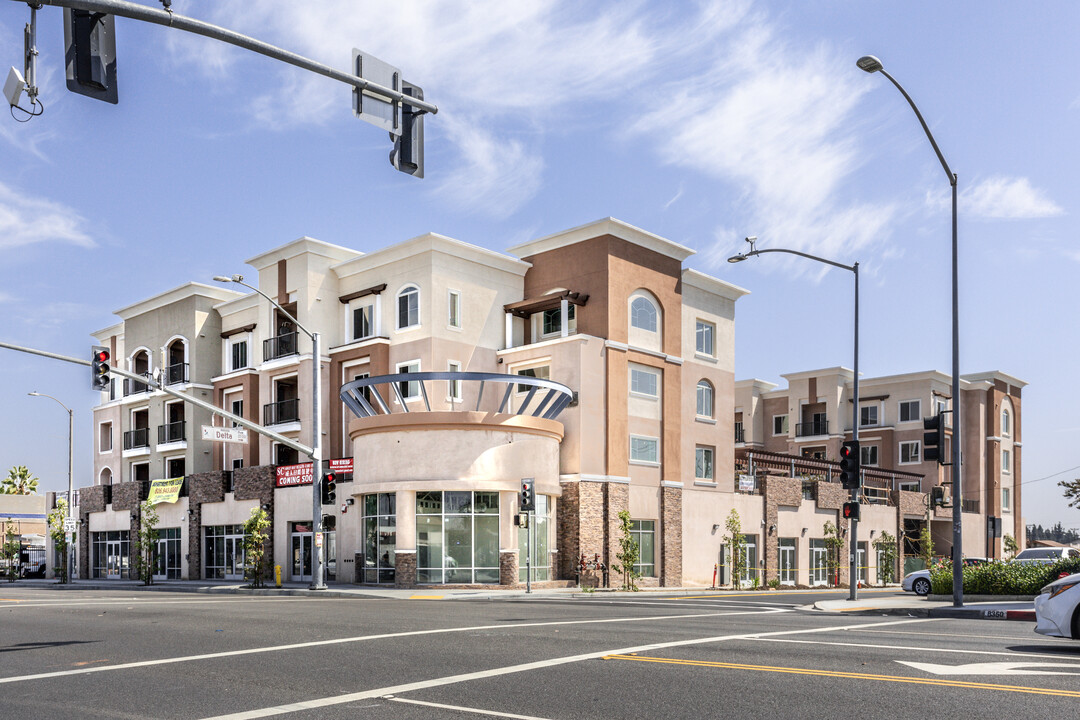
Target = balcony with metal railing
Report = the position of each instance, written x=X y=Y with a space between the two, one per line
x=281 y=346
x=173 y=432
x=813 y=428
x=282 y=411
x=176 y=374
x=135 y=387
x=137 y=439
x=739 y=434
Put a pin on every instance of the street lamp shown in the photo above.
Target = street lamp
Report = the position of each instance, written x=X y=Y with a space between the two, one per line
x=871 y=64
x=316 y=435
x=68 y=557
x=853 y=578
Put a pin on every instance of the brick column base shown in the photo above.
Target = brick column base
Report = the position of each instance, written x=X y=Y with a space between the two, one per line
x=404 y=569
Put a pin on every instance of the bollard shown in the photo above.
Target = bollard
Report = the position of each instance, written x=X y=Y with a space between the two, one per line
x=277 y=575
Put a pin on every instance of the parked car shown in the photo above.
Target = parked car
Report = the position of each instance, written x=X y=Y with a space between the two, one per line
x=919 y=581
x=1045 y=555
x=1057 y=609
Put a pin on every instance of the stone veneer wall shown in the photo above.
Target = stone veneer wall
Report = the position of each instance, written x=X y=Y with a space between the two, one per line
x=508 y=568
x=617 y=499
x=832 y=496
x=91 y=500
x=671 y=536
x=126 y=496
x=567 y=517
x=404 y=569
x=777 y=491
x=202 y=488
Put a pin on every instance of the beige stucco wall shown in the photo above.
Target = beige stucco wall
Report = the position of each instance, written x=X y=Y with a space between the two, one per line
x=229 y=512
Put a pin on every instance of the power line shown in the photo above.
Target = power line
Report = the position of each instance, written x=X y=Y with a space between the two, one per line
x=1062 y=472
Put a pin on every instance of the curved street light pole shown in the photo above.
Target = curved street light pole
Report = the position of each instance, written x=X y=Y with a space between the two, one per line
x=69 y=555
x=317 y=569
x=853 y=546
x=871 y=64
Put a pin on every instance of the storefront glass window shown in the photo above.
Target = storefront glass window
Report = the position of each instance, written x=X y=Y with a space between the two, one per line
x=457 y=537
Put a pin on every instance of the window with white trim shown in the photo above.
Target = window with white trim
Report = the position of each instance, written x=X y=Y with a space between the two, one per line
x=409 y=389
x=1005 y=421
x=551 y=321
x=363 y=321
x=703 y=462
x=910 y=452
x=454 y=386
x=453 y=313
x=644 y=531
x=704 y=399
x=105 y=437
x=644 y=381
x=1006 y=499
x=1006 y=461
x=910 y=410
x=238 y=353
x=706 y=332
x=868 y=416
x=643 y=314
x=868 y=455
x=540 y=371
x=644 y=449
x=408 y=307
x=779 y=425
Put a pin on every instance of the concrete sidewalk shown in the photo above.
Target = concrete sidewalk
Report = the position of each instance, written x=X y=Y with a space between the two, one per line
x=915 y=606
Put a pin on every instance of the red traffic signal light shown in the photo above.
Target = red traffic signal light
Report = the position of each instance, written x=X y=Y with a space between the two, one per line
x=99 y=368
x=849 y=465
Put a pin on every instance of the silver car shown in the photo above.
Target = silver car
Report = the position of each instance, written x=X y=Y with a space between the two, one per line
x=917 y=582
x=1046 y=555
x=1057 y=609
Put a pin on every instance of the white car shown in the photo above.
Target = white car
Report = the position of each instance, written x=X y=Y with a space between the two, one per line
x=1046 y=555
x=917 y=582
x=1057 y=609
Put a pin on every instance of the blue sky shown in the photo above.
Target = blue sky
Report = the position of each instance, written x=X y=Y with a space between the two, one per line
x=703 y=122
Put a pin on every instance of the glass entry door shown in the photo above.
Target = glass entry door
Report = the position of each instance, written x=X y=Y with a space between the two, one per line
x=115 y=561
x=301 y=545
x=787 y=561
x=234 y=557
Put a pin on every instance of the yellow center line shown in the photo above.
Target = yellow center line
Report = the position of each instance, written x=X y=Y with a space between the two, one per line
x=425 y=597
x=854 y=676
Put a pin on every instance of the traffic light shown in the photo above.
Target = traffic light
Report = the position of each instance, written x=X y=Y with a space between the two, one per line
x=937 y=496
x=849 y=465
x=934 y=438
x=408 y=153
x=329 y=486
x=329 y=522
x=527 y=500
x=90 y=53
x=851 y=511
x=99 y=368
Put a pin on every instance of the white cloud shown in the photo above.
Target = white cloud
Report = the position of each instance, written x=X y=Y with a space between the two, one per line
x=1001 y=197
x=27 y=220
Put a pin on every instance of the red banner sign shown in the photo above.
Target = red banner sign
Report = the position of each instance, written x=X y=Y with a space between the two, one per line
x=290 y=475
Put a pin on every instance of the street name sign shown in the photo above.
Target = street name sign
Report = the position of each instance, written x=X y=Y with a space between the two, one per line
x=225 y=434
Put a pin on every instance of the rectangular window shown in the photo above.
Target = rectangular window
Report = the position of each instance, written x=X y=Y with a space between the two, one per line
x=454 y=386
x=644 y=531
x=552 y=324
x=1005 y=423
x=868 y=416
x=1005 y=493
x=787 y=564
x=239 y=355
x=910 y=487
x=453 y=318
x=363 y=322
x=534 y=543
x=910 y=452
x=643 y=382
x=237 y=408
x=408 y=305
x=1006 y=461
x=703 y=465
x=410 y=389
x=644 y=449
x=543 y=372
x=457 y=537
x=868 y=455
x=910 y=410
x=105 y=437
x=779 y=425
x=705 y=333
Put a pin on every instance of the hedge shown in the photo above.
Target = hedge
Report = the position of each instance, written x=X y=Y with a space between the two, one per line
x=1000 y=578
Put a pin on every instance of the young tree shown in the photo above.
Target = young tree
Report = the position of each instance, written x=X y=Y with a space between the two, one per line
x=1009 y=542
x=10 y=552
x=146 y=542
x=629 y=553
x=926 y=546
x=737 y=547
x=19 y=481
x=833 y=545
x=885 y=546
x=1071 y=490
x=256 y=535
x=59 y=537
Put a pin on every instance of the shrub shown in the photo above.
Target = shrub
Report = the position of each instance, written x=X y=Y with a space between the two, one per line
x=1000 y=578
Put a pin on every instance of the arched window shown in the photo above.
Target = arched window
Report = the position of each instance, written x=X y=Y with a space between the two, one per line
x=1006 y=421
x=704 y=399
x=106 y=477
x=643 y=314
x=408 y=307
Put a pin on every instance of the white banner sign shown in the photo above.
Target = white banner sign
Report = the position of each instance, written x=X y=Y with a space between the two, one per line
x=225 y=434
x=746 y=483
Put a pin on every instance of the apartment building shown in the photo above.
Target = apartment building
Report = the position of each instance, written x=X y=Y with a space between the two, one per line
x=813 y=416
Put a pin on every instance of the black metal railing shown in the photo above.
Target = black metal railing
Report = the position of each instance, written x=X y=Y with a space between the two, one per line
x=134 y=387
x=282 y=411
x=739 y=436
x=137 y=438
x=175 y=374
x=817 y=427
x=171 y=432
x=969 y=506
x=280 y=346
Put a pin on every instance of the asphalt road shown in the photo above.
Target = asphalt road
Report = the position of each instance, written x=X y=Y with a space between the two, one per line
x=123 y=654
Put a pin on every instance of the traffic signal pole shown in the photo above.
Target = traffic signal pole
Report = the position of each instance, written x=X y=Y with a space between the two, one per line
x=853 y=579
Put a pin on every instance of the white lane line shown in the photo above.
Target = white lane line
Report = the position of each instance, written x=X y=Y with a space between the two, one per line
x=476 y=711
x=318 y=703
x=359 y=638
x=135 y=601
x=917 y=648
x=1014 y=638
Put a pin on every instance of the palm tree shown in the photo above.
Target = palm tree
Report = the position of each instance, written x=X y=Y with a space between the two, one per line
x=19 y=481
